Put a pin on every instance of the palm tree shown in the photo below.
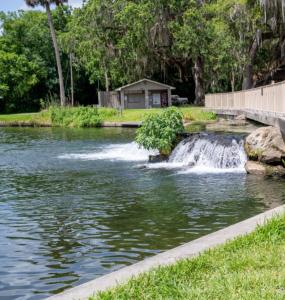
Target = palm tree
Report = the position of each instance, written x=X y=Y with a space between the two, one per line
x=46 y=4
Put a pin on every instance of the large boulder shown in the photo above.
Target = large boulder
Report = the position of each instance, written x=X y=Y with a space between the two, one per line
x=266 y=145
x=258 y=168
x=255 y=168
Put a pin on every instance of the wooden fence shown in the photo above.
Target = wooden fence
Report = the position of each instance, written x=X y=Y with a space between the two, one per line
x=269 y=98
x=109 y=99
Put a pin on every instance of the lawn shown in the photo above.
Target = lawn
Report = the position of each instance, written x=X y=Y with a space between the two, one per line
x=32 y=118
x=107 y=115
x=135 y=115
x=250 y=267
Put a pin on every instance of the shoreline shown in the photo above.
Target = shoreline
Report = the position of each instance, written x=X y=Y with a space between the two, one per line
x=36 y=124
x=170 y=257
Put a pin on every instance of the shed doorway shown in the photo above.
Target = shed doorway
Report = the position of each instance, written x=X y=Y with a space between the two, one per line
x=135 y=100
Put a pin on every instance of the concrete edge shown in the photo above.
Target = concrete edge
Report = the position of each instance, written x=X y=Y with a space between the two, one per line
x=104 y=124
x=264 y=117
x=121 y=124
x=169 y=257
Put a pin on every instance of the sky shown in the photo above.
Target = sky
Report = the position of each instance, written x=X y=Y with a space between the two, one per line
x=13 y=5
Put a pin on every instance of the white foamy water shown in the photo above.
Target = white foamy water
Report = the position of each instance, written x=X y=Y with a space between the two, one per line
x=123 y=152
x=199 y=154
x=204 y=155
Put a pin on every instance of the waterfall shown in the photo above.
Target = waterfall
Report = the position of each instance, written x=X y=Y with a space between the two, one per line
x=199 y=153
x=208 y=153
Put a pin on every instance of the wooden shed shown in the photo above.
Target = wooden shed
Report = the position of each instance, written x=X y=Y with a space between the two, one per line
x=145 y=93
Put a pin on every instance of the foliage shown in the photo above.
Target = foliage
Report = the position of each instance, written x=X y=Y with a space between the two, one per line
x=250 y=267
x=27 y=65
x=28 y=75
x=20 y=77
x=79 y=116
x=117 y=42
x=254 y=154
x=107 y=115
x=159 y=131
x=199 y=115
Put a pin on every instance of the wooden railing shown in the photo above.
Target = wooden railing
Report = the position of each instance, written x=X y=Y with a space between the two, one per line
x=269 y=98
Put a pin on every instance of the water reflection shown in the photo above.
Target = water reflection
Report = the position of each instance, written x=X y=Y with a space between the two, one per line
x=65 y=222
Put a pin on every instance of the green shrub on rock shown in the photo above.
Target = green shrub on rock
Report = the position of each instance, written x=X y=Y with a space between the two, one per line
x=159 y=131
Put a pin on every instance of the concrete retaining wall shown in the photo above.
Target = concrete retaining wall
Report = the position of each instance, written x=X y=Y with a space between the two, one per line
x=188 y=250
x=267 y=118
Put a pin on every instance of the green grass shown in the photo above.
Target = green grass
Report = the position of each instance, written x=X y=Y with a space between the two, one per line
x=91 y=117
x=250 y=267
x=190 y=113
x=34 y=118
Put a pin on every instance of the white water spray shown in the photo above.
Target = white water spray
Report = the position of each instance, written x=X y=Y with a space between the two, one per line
x=113 y=152
x=200 y=153
x=207 y=154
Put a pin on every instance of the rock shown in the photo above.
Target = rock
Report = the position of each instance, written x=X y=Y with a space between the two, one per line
x=238 y=123
x=157 y=158
x=257 y=168
x=240 y=117
x=266 y=145
x=275 y=171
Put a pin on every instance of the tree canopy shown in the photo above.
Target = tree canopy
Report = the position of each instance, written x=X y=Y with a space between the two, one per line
x=196 y=46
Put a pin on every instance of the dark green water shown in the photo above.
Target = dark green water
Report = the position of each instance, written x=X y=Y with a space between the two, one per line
x=75 y=205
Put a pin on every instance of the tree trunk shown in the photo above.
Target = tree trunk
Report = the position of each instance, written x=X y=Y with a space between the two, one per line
x=57 y=55
x=248 y=77
x=282 y=50
x=248 y=70
x=71 y=80
x=199 y=82
x=107 y=81
x=233 y=81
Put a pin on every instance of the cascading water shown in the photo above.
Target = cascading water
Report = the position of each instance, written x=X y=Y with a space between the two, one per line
x=199 y=153
x=210 y=152
x=113 y=152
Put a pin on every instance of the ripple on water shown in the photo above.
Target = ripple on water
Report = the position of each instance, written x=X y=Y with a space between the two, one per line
x=64 y=221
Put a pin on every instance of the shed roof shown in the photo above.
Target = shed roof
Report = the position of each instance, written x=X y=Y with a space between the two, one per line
x=146 y=80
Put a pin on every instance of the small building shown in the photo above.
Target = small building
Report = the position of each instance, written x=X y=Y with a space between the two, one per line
x=144 y=93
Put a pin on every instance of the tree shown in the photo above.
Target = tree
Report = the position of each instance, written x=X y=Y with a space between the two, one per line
x=160 y=131
x=20 y=76
x=27 y=64
x=46 y=4
x=274 y=12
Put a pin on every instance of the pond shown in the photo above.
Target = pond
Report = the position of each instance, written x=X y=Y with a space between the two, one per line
x=76 y=204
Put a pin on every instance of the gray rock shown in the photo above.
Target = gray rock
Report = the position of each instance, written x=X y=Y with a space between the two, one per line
x=266 y=145
x=261 y=169
x=255 y=168
x=157 y=158
x=240 y=118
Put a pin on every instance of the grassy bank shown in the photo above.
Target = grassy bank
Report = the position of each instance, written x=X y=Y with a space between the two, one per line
x=250 y=267
x=92 y=117
x=190 y=113
x=29 y=118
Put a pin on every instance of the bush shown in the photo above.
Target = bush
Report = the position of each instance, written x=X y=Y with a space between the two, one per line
x=159 y=131
x=199 y=115
x=79 y=116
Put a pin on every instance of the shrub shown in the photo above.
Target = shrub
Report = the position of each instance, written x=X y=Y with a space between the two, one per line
x=199 y=115
x=79 y=116
x=159 y=131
